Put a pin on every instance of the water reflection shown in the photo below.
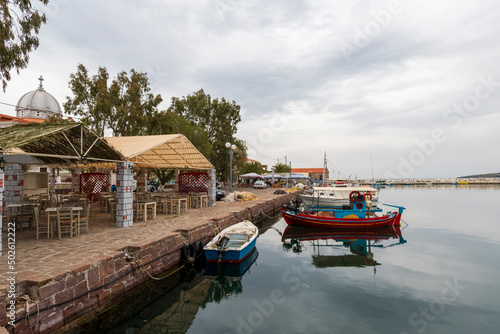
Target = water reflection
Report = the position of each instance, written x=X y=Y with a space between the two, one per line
x=359 y=242
x=228 y=277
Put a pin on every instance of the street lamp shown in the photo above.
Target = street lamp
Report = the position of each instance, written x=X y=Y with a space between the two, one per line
x=290 y=177
x=231 y=148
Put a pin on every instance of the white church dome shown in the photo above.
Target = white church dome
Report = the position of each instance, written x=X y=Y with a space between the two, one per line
x=38 y=104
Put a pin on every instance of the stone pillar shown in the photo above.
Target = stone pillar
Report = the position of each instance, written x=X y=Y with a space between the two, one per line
x=52 y=185
x=142 y=181
x=124 y=195
x=212 y=187
x=14 y=183
x=1 y=208
x=176 y=186
x=75 y=180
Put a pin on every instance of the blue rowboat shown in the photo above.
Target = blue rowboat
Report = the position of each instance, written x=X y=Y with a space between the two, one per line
x=233 y=244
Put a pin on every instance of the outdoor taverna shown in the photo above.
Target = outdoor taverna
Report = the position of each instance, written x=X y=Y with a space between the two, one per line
x=72 y=251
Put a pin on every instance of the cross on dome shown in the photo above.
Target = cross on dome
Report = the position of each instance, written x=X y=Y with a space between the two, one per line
x=41 y=86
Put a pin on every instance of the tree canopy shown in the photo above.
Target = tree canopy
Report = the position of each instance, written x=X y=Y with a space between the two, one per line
x=218 y=118
x=253 y=167
x=126 y=105
x=19 y=27
x=281 y=168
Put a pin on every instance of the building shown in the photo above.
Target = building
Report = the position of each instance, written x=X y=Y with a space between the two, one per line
x=33 y=107
x=316 y=174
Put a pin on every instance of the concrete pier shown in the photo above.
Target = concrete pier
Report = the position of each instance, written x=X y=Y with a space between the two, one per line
x=67 y=281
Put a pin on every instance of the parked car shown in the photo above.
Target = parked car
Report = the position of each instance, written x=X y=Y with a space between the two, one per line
x=153 y=185
x=259 y=184
x=220 y=194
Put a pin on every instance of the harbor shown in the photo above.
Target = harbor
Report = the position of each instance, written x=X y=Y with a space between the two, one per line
x=62 y=282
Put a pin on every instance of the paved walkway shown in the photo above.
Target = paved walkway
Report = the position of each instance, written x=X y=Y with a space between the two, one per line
x=45 y=258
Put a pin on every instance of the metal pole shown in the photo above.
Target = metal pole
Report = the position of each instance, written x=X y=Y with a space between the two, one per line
x=230 y=169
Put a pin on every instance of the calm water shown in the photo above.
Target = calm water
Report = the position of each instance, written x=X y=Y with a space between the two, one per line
x=444 y=279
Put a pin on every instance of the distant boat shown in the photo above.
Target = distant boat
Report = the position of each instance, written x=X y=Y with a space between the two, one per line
x=335 y=195
x=357 y=214
x=232 y=244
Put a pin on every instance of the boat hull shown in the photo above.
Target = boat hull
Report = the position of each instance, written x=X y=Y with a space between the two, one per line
x=230 y=255
x=305 y=219
x=241 y=239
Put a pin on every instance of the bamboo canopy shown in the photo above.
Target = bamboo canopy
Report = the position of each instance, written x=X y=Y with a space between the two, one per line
x=160 y=151
x=58 y=144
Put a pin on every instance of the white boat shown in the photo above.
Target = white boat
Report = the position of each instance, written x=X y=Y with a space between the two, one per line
x=336 y=195
x=233 y=244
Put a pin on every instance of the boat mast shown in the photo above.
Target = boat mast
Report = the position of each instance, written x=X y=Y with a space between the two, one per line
x=324 y=170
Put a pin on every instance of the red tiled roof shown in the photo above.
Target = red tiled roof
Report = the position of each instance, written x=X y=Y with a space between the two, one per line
x=8 y=118
x=307 y=170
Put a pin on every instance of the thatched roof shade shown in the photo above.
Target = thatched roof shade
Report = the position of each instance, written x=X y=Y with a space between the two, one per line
x=57 y=144
x=162 y=151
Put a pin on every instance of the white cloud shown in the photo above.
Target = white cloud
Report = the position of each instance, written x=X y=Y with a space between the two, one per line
x=285 y=63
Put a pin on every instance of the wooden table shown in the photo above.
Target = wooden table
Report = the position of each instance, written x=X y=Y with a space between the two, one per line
x=179 y=200
x=201 y=198
x=144 y=205
x=50 y=229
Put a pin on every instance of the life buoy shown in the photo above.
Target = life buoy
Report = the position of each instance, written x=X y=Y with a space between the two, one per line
x=369 y=261
x=354 y=195
x=367 y=195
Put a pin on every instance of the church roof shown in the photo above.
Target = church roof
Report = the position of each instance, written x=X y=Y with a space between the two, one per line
x=39 y=100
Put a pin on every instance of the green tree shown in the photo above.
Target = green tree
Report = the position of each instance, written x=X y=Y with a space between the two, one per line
x=19 y=27
x=125 y=106
x=253 y=167
x=281 y=168
x=217 y=117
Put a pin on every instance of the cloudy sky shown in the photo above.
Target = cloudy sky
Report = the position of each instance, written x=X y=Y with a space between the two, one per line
x=401 y=89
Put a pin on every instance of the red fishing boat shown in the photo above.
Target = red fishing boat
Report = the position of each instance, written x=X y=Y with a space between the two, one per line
x=358 y=215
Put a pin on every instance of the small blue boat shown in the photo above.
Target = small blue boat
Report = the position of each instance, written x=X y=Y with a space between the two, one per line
x=233 y=244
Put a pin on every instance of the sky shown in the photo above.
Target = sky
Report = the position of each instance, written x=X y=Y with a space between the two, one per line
x=387 y=89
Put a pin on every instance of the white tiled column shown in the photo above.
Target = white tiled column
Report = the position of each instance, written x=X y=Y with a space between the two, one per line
x=13 y=184
x=212 y=187
x=124 y=195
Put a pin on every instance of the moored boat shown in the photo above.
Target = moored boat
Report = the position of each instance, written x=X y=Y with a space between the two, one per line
x=357 y=214
x=233 y=244
x=335 y=195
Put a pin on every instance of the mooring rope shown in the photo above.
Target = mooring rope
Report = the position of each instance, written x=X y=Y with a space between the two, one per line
x=28 y=299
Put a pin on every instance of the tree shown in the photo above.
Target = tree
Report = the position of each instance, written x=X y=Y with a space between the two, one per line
x=125 y=106
x=217 y=117
x=253 y=167
x=19 y=27
x=281 y=168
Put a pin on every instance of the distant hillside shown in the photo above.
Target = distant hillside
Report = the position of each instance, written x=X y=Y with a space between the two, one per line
x=481 y=175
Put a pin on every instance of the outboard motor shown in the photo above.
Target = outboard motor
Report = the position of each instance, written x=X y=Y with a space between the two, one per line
x=221 y=244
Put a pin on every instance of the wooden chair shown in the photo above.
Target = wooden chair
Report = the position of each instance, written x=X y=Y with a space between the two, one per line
x=42 y=224
x=65 y=222
x=112 y=208
x=25 y=216
x=138 y=211
x=82 y=222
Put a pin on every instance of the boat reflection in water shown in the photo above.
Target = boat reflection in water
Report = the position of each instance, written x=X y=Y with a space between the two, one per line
x=227 y=277
x=359 y=242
